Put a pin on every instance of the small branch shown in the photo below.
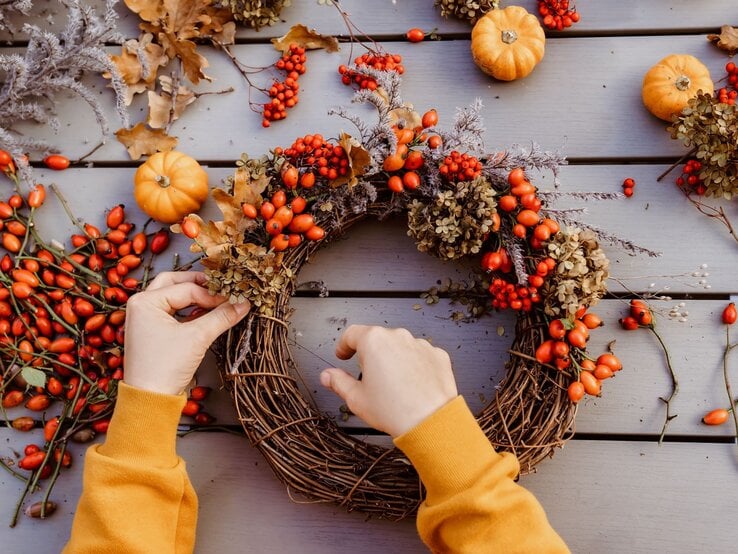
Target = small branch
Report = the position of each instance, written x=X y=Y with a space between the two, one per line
x=66 y=207
x=731 y=401
x=90 y=153
x=676 y=163
x=674 y=385
x=716 y=213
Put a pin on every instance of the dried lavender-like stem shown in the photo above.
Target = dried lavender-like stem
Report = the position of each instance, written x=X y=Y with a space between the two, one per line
x=629 y=246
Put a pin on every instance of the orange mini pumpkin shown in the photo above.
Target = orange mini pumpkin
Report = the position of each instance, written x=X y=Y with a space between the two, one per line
x=508 y=44
x=670 y=84
x=170 y=185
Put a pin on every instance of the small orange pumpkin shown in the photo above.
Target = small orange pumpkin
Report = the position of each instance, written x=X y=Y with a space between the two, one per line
x=170 y=185
x=508 y=44
x=672 y=83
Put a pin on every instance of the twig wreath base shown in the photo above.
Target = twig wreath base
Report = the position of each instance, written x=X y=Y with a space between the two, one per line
x=530 y=415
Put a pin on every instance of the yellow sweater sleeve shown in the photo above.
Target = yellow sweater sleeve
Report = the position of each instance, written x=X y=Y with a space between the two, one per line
x=136 y=496
x=472 y=502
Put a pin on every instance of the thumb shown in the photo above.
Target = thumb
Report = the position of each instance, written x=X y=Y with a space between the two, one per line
x=220 y=319
x=339 y=381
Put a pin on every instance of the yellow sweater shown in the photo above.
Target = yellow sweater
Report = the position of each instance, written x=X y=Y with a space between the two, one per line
x=136 y=496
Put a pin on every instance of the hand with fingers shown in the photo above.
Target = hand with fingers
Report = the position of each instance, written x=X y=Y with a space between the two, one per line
x=162 y=353
x=404 y=379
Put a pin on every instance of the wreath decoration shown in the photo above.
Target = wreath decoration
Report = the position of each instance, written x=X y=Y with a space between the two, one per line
x=461 y=202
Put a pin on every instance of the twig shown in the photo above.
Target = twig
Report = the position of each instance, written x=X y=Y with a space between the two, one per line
x=90 y=153
x=728 y=348
x=674 y=385
x=716 y=213
x=67 y=209
x=676 y=163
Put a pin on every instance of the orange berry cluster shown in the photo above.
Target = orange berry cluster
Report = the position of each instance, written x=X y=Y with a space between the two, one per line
x=640 y=316
x=403 y=158
x=557 y=14
x=380 y=62
x=285 y=222
x=566 y=347
x=524 y=205
x=725 y=94
x=284 y=94
x=691 y=177
x=317 y=159
x=460 y=167
x=628 y=186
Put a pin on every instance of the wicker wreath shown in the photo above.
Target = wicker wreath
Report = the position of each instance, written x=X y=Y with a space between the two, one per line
x=530 y=415
x=532 y=412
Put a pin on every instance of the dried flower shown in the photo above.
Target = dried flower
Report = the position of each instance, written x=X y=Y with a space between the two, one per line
x=581 y=273
x=256 y=13
x=711 y=127
x=456 y=222
x=470 y=10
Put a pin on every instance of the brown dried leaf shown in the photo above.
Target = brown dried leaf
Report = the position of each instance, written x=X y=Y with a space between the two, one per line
x=142 y=141
x=309 y=39
x=162 y=110
x=183 y=17
x=148 y=10
x=132 y=70
x=245 y=190
x=727 y=39
x=359 y=159
x=193 y=62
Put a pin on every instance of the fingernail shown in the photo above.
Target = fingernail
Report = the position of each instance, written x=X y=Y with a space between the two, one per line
x=325 y=378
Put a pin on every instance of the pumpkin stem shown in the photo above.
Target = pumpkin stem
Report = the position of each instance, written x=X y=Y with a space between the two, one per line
x=162 y=181
x=510 y=36
x=682 y=83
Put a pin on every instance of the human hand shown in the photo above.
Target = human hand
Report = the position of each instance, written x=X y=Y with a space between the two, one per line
x=404 y=379
x=162 y=354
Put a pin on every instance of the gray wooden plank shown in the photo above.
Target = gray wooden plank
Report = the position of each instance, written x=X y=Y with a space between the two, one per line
x=601 y=496
x=600 y=118
x=388 y=17
x=376 y=257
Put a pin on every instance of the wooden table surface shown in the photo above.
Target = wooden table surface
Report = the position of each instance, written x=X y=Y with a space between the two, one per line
x=610 y=489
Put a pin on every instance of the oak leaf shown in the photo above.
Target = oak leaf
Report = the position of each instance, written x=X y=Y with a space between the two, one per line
x=165 y=108
x=142 y=141
x=246 y=190
x=727 y=39
x=358 y=158
x=183 y=17
x=148 y=10
x=137 y=73
x=193 y=62
x=309 y=39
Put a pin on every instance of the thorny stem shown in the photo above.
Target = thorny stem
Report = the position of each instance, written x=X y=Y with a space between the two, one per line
x=676 y=163
x=674 y=384
x=728 y=348
x=67 y=209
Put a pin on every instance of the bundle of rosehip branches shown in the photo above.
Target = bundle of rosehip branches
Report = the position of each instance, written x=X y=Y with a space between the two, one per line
x=62 y=310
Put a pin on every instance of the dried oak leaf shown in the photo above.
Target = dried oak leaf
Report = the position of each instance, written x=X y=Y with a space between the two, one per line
x=142 y=141
x=309 y=39
x=138 y=74
x=148 y=10
x=358 y=157
x=163 y=108
x=213 y=240
x=245 y=190
x=727 y=39
x=184 y=17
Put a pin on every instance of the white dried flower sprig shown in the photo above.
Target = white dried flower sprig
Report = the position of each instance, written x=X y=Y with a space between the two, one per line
x=9 y=7
x=52 y=64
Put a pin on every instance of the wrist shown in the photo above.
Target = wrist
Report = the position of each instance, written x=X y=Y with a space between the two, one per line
x=149 y=382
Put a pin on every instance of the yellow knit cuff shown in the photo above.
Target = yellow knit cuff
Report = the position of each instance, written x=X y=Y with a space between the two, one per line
x=143 y=428
x=449 y=451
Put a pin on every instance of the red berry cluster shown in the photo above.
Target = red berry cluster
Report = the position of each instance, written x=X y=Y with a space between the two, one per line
x=729 y=93
x=517 y=297
x=557 y=14
x=317 y=159
x=284 y=94
x=460 y=167
x=691 y=177
x=640 y=316
x=628 y=186
x=380 y=62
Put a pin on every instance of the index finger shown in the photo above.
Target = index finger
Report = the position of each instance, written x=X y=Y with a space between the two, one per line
x=348 y=342
x=167 y=278
x=183 y=295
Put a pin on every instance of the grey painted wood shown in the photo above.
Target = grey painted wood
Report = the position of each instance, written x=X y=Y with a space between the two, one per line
x=395 y=17
x=374 y=257
x=601 y=496
x=600 y=118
